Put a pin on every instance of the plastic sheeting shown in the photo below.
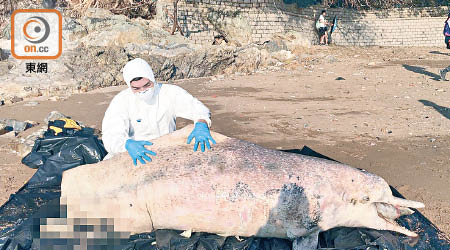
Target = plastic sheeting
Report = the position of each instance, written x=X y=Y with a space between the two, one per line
x=23 y=214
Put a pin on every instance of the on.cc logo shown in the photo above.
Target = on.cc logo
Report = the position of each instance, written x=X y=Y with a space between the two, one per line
x=36 y=34
x=37 y=25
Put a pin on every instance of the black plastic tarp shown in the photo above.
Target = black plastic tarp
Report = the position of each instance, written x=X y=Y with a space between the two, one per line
x=23 y=214
x=59 y=153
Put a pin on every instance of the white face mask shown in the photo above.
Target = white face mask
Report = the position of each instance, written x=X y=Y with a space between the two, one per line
x=147 y=95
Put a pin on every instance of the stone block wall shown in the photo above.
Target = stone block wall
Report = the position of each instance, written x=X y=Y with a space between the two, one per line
x=397 y=27
x=263 y=18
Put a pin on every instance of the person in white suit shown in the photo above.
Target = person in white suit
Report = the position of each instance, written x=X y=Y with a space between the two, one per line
x=147 y=110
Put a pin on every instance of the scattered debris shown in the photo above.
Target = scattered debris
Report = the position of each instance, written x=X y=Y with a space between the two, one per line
x=31 y=104
x=16 y=99
x=330 y=59
x=3 y=129
x=3 y=55
x=15 y=125
x=54 y=115
x=219 y=39
x=186 y=234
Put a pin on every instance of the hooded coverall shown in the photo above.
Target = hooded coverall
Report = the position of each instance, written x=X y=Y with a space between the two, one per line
x=128 y=117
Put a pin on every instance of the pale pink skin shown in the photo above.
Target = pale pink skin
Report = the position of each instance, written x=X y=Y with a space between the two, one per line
x=237 y=188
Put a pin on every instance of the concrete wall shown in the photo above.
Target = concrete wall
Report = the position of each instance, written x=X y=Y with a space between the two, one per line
x=200 y=20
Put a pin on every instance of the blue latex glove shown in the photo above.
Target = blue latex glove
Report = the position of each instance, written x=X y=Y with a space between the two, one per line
x=202 y=136
x=137 y=151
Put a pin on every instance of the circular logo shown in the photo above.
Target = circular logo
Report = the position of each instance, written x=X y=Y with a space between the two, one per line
x=36 y=29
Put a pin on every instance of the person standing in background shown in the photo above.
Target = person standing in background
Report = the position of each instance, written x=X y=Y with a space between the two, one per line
x=322 y=27
x=446 y=32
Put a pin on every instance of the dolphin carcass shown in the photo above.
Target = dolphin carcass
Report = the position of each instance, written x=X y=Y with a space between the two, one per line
x=237 y=188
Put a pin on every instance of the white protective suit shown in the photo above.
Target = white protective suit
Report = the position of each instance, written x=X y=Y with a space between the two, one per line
x=129 y=117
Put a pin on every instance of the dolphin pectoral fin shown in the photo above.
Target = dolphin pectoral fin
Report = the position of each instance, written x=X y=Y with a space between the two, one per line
x=306 y=242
